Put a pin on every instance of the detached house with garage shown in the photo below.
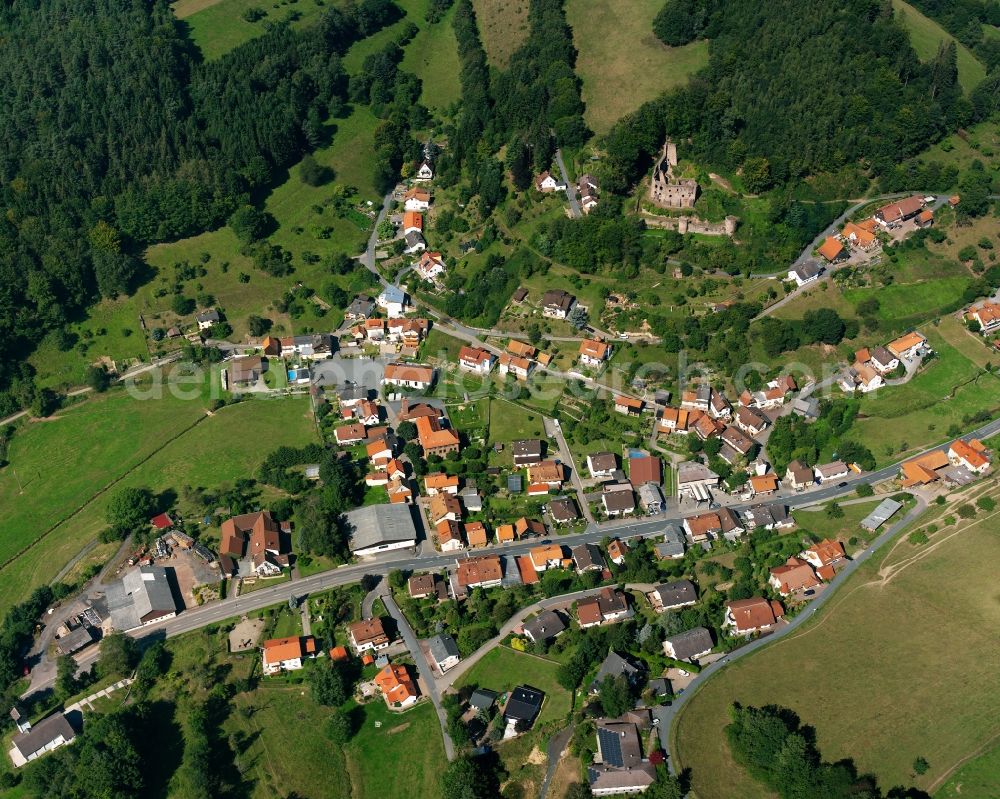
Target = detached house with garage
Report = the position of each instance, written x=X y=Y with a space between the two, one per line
x=798 y=475
x=287 y=654
x=368 y=636
x=593 y=353
x=475 y=360
x=749 y=616
x=609 y=606
x=794 y=577
x=557 y=304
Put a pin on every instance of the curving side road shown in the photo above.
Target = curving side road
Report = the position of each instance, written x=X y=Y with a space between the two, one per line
x=669 y=716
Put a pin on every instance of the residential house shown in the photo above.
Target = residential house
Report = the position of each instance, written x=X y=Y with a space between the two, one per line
x=628 y=405
x=619 y=767
x=750 y=422
x=417 y=198
x=672 y=545
x=523 y=706
x=719 y=406
x=547 y=556
x=798 y=475
x=673 y=420
x=483 y=571
x=833 y=250
x=528 y=528
x=608 y=606
x=618 y=503
x=748 y=616
x=287 y=654
x=396 y=685
x=616 y=551
x=379 y=451
x=409 y=375
x=368 y=636
x=689 y=645
x=651 y=498
x=421 y=586
x=835 y=470
x=557 y=304
x=805 y=273
x=413 y=242
x=544 y=627
x=644 y=469
x=588 y=192
x=770 y=517
x=860 y=235
x=444 y=506
x=763 y=484
x=477 y=535
x=246 y=370
x=206 y=319
x=987 y=316
x=393 y=300
x=794 y=577
x=521 y=368
x=697 y=399
x=521 y=350
x=413 y=222
x=673 y=595
x=476 y=360
x=883 y=361
x=587 y=557
x=614 y=665
x=33 y=741
x=361 y=307
x=408 y=331
x=349 y=434
x=593 y=352
x=367 y=413
x=601 y=464
x=895 y=213
x=862 y=377
x=424 y=172
x=737 y=443
x=905 y=347
x=449 y=535
x=444 y=651
x=411 y=411
x=551 y=473
x=825 y=557
x=703 y=527
x=441 y=483
x=546 y=182
x=563 y=510
x=256 y=536
x=434 y=438
x=970 y=455
x=313 y=347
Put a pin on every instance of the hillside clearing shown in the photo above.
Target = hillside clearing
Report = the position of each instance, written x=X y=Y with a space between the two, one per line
x=926 y=36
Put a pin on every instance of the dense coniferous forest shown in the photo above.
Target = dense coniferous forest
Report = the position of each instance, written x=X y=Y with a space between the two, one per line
x=113 y=134
x=816 y=87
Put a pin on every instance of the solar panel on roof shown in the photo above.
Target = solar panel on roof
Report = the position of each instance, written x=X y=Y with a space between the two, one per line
x=611 y=747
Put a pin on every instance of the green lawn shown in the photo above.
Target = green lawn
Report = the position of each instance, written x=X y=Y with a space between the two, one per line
x=504 y=669
x=433 y=57
x=471 y=415
x=622 y=64
x=980 y=139
x=846 y=527
x=926 y=36
x=510 y=422
x=906 y=300
x=871 y=647
x=977 y=779
x=218 y=27
x=118 y=445
x=402 y=757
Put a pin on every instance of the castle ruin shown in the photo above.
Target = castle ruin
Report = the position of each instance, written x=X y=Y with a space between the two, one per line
x=667 y=191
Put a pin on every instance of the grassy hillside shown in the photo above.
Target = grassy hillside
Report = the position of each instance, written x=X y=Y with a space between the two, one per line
x=68 y=468
x=503 y=27
x=867 y=653
x=622 y=64
x=217 y=26
x=926 y=35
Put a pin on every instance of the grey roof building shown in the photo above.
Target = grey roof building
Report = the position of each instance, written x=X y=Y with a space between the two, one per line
x=676 y=594
x=380 y=528
x=50 y=733
x=527 y=452
x=689 y=645
x=143 y=596
x=886 y=509
x=545 y=626
x=524 y=704
x=75 y=640
x=615 y=665
x=444 y=650
x=482 y=699
x=587 y=557
x=563 y=510
x=361 y=307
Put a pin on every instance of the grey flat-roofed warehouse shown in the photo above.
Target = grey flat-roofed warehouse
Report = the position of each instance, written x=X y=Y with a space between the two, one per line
x=380 y=528
x=141 y=597
x=886 y=510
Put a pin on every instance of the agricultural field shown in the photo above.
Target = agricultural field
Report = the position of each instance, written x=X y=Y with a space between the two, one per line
x=866 y=645
x=175 y=444
x=975 y=779
x=502 y=27
x=218 y=26
x=926 y=36
x=503 y=669
x=617 y=49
